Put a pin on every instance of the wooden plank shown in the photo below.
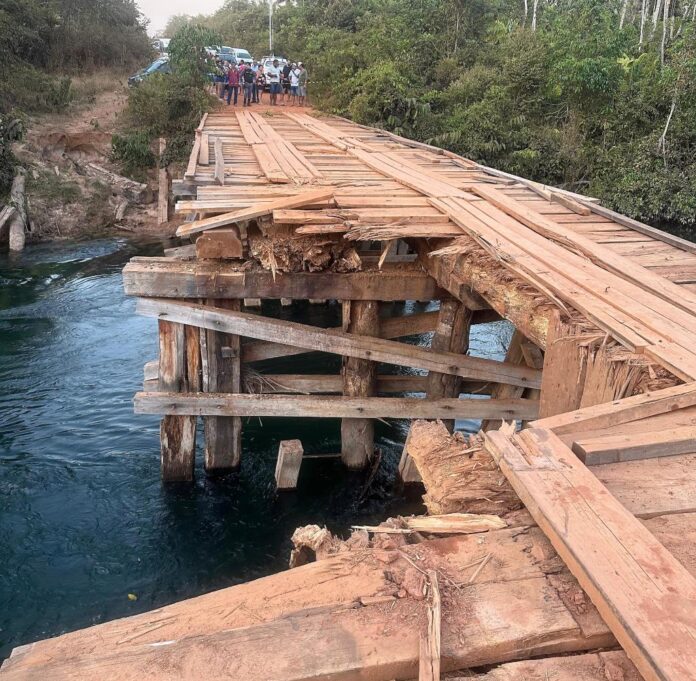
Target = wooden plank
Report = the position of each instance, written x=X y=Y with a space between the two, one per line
x=204 y=153
x=389 y=327
x=166 y=278
x=338 y=342
x=225 y=404
x=613 y=448
x=258 y=211
x=235 y=632
x=359 y=380
x=177 y=433
x=219 y=162
x=622 y=411
x=290 y=453
x=190 y=173
x=643 y=593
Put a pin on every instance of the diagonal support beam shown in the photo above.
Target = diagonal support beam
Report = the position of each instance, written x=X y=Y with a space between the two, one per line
x=338 y=342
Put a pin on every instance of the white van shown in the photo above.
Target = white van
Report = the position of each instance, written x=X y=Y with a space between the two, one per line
x=240 y=54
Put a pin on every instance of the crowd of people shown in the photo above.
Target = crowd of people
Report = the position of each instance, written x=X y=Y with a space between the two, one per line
x=289 y=82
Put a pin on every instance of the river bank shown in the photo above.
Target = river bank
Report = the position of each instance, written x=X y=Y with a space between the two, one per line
x=69 y=195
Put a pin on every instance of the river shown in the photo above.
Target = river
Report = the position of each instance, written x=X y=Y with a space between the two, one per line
x=87 y=531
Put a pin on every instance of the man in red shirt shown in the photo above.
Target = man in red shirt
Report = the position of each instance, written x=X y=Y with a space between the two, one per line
x=232 y=84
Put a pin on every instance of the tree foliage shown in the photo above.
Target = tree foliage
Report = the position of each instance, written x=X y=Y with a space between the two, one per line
x=573 y=94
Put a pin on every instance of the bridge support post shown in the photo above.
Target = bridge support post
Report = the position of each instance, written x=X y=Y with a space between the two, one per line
x=359 y=380
x=177 y=433
x=451 y=335
x=222 y=373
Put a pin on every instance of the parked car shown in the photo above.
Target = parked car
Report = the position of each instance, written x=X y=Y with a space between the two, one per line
x=226 y=54
x=240 y=54
x=160 y=65
x=161 y=45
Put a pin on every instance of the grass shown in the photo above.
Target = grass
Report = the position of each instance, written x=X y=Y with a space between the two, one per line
x=53 y=189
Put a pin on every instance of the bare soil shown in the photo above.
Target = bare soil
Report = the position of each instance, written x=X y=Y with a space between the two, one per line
x=64 y=201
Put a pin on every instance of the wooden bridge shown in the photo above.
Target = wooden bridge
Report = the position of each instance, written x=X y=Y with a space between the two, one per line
x=600 y=375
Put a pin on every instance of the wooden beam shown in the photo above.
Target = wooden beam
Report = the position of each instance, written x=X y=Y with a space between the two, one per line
x=337 y=342
x=613 y=448
x=359 y=380
x=622 y=411
x=225 y=404
x=166 y=278
x=643 y=593
x=163 y=192
x=429 y=662
x=222 y=373
x=219 y=162
x=257 y=211
x=451 y=335
x=220 y=244
x=513 y=355
x=287 y=470
x=177 y=433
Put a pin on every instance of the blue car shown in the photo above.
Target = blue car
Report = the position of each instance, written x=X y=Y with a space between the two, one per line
x=160 y=65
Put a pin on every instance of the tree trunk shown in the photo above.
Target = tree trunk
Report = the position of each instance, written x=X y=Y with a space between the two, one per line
x=534 y=14
x=643 y=11
x=18 y=221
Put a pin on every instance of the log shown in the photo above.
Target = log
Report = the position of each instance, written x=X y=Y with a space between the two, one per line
x=135 y=192
x=359 y=380
x=177 y=433
x=451 y=335
x=287 y=469
x=312 y=338
x=225 y=404
x=18 y=219
x=166 y=278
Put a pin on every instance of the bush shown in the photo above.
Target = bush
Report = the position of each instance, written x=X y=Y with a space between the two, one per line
x=133 y=152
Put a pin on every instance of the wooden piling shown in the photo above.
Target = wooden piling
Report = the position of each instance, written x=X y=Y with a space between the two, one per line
x=359 y=380
x=287 y=470
x=177 y=433
x=451 y=335
x=222 y=373
x=163 y=196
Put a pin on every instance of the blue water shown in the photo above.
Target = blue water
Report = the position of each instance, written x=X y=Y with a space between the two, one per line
x=84 y=518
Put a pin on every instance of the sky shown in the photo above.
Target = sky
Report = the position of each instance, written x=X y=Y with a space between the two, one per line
x=158 y=11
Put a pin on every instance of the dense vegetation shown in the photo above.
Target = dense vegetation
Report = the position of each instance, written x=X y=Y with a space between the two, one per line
x=597 y=96
x=43 y=41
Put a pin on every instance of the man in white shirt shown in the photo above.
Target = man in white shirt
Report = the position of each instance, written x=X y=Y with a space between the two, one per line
x=273 y=78
x=294 y=84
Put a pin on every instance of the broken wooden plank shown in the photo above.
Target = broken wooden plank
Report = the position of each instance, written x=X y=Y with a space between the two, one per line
x=219 y=173
x=226 y=404
x=643 y=593
x=622 y=411
x=257 y=211
x=338 y=342
x=429 y=661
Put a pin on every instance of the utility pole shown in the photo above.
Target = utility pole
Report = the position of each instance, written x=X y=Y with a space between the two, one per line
x=270 y=26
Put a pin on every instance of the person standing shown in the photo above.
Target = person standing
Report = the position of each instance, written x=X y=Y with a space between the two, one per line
x=248 y=80
x=285 y=81
x=232 y=84
x=260 y=84
x=294 y=84
x=273 y=78
x=302 y=84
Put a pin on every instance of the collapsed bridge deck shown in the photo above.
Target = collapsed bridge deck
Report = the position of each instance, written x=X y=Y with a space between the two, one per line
x=599 y=374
